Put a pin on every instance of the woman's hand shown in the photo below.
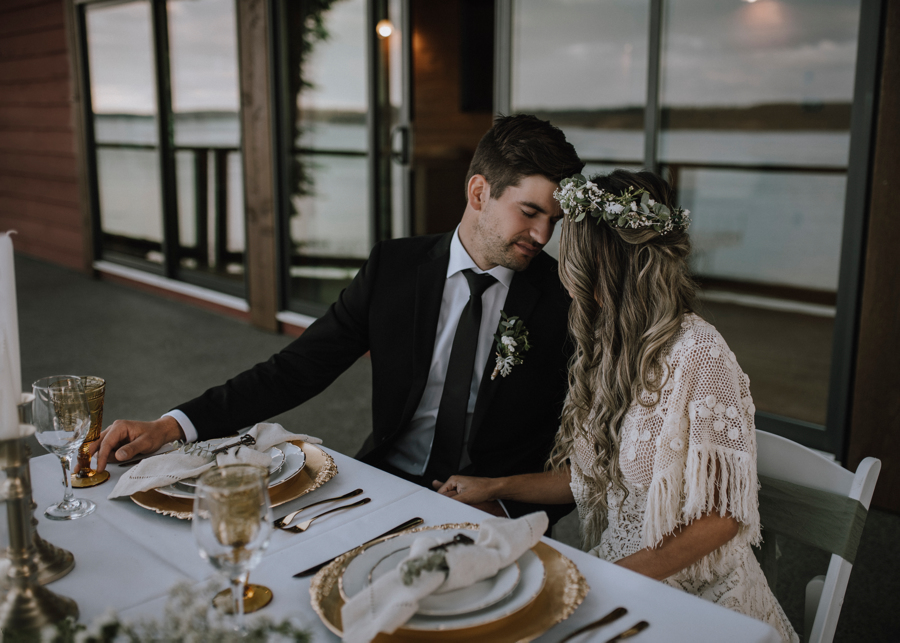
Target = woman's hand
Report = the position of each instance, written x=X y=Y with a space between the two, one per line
x=471 y=491
x=549 y=488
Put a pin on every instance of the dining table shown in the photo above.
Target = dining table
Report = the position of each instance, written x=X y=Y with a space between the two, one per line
x=127 y=558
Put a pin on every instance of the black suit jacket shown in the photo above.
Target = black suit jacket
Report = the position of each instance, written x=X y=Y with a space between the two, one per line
x=391 y=310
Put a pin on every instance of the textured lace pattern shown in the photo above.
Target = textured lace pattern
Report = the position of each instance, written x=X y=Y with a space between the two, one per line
x=691 y=453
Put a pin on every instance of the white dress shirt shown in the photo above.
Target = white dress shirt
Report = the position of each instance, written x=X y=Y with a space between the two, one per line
x=412 y=450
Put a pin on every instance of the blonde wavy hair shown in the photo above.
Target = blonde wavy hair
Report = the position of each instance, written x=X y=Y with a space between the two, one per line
x=630 y=289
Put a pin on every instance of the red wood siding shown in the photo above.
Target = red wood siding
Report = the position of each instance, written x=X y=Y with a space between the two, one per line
x=39 y=195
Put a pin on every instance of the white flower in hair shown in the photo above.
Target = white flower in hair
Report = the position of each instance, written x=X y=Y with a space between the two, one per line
x=634 y=208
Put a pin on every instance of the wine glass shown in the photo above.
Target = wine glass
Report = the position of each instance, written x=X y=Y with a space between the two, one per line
x=62 y=419
x=232 y=521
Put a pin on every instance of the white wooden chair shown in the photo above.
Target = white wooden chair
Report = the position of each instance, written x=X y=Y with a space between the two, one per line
x=780 y=459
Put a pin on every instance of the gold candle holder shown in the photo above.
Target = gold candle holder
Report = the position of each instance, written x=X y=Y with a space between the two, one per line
x=53 y=562
x=28 y=605
x=95 y=388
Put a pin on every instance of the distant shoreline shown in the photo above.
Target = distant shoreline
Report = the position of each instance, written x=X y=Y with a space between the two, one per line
x=828 y=117
x=767 y=117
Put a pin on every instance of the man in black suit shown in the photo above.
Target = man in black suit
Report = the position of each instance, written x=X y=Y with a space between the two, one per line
x=426 y=311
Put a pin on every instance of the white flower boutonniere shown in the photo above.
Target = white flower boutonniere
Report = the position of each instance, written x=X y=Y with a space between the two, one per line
x=512 y=342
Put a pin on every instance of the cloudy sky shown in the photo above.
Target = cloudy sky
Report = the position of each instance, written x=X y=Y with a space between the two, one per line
x=715 y=52
x=566 y=53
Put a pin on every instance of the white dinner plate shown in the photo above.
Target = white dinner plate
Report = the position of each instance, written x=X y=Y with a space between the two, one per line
x=510 y=590
x=278 y=458
x=287 y=461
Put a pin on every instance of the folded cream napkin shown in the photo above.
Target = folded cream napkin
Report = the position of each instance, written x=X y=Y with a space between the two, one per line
x=171 y=467
x=388 y=603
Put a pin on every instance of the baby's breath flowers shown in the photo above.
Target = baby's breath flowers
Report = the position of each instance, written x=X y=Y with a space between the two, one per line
x=189 y=617
x=579 y=197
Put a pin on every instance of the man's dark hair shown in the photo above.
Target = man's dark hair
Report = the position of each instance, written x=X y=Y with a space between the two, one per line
x=519 y=146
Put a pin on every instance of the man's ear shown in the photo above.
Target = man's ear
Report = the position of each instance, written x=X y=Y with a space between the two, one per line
x=478 y=191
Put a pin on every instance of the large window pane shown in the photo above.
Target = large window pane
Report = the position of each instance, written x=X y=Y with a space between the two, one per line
x=583 y=67
x=120 y=56
x=756 y=111
x=329 y=179
x=206 y=123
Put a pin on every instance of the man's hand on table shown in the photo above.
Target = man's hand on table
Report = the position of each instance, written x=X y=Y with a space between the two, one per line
x=125 y=439
x=492 y=507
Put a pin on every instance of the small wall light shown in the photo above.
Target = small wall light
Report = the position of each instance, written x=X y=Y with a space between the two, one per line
x=384 y=28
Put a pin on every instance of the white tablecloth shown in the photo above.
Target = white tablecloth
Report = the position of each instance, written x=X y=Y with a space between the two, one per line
x=127 y=558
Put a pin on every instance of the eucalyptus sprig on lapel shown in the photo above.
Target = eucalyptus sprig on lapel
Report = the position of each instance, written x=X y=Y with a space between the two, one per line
x=512 y=342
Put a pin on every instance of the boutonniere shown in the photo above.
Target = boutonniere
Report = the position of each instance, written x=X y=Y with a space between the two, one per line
x=512 y=342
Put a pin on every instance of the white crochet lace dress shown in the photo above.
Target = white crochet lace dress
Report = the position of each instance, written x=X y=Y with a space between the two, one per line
x=703 y=422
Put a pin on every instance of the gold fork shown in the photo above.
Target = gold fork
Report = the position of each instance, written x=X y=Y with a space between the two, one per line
x=303 y=526
x=640 y=626
x=616 y=614
x=281 y=523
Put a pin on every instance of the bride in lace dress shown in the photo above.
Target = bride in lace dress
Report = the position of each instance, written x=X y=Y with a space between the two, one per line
x=657 y=444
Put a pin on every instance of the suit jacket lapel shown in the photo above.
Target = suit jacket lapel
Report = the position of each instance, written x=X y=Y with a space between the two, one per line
x=520 y=302
x=430 y=279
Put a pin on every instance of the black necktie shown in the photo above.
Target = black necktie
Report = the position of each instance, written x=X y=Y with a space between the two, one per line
x=450 y=427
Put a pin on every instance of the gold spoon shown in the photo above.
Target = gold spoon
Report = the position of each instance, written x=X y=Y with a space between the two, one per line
x=281 y=523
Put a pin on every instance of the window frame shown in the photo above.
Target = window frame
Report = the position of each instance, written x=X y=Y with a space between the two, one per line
x=833 y=437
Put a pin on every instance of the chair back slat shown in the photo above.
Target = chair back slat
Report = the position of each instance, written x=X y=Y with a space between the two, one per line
x=825 y=520
x=813 y=500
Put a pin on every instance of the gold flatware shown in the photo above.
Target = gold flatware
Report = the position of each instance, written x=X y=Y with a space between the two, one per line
x=303 y=526
x=281 y=523
x=640 y=626
x=412 y=522
x=614 y=615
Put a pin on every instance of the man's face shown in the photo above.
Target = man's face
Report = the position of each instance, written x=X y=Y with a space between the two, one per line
x=510 y=231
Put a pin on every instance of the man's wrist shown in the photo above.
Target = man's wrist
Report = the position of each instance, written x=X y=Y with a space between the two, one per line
x=172 y=429
x=185 y=428
x=499 y=490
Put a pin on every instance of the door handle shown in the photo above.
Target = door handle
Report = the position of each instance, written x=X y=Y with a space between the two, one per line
x=400 y=154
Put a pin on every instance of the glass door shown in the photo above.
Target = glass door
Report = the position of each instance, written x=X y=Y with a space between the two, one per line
x=746 y=107
x=586 y=75
x=161 y=96
x=207 y=137
x=756 y=101
x=124 y=123
x=343 y=77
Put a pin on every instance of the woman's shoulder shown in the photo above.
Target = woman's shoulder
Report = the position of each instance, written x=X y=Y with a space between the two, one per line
x=698 y=337
x=695 y=331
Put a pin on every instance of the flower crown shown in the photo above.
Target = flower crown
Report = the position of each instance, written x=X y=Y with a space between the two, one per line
x=579 y=197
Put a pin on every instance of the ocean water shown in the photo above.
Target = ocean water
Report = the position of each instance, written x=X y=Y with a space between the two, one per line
x=783 y=228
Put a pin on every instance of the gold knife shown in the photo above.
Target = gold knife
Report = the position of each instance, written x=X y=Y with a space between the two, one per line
x=412 y=522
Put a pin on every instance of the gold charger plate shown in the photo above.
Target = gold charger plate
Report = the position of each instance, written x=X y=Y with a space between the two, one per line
x=564 y=590
x=319 y=469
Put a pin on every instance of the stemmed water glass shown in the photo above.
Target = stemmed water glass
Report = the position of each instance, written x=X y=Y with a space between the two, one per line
x=232 y=521
x=62 y=419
